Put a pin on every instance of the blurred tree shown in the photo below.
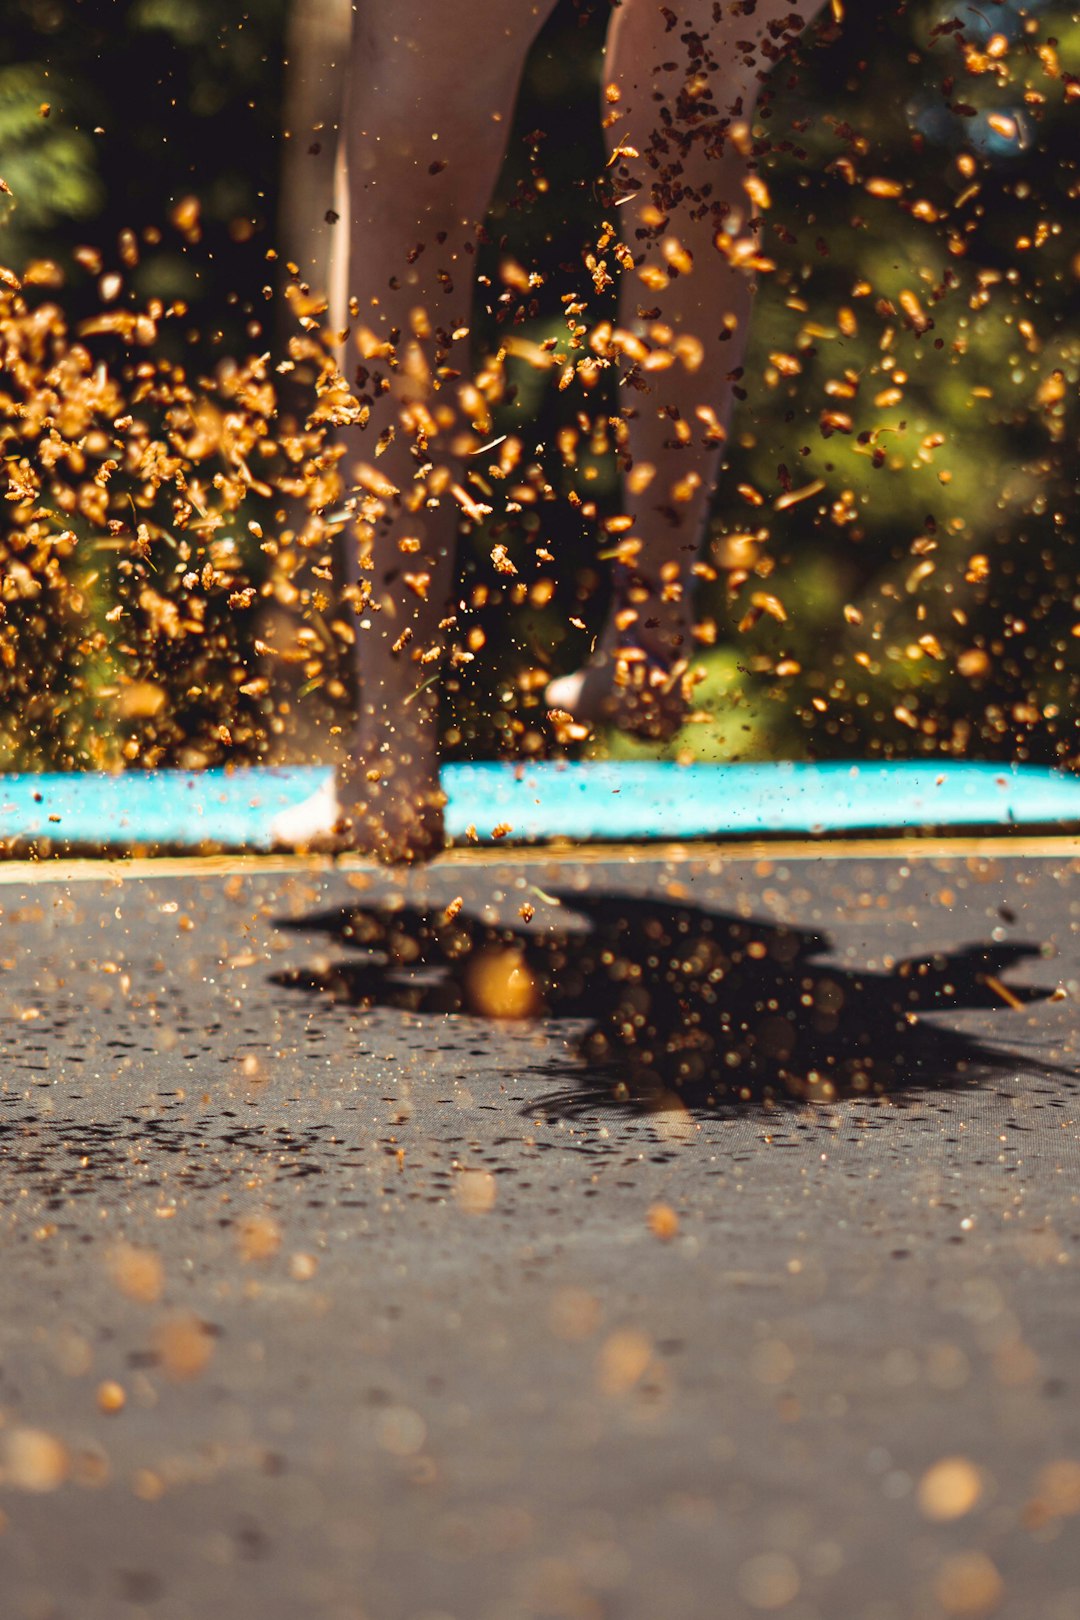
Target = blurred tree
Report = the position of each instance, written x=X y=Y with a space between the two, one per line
x=49 y=166
x=155 y=118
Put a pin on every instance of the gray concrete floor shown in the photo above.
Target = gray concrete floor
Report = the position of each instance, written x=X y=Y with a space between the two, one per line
x=739 y=1279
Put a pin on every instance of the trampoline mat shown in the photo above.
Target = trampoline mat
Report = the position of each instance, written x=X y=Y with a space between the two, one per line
x=739 y=1279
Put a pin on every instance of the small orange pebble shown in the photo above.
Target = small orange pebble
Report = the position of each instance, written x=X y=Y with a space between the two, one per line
x=259 y=1237
x=184 y=1346
x=949 y=1489
x=33 y=1460
x=137 y=1273
x=111 y=1396
x=968 y=1584
x=663 y=1222
x=973 y=662
x=499 y=984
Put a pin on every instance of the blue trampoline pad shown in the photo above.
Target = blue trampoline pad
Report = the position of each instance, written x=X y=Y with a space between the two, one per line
x=260 y=808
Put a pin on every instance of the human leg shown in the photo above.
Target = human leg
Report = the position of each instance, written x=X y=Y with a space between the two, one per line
x=431 y=90
x=686 y=78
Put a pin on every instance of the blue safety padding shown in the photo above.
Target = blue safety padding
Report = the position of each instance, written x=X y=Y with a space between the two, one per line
x=588 y=800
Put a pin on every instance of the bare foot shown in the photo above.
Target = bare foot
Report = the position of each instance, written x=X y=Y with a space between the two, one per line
x=627 y=690
x=638 y=680
x=380 y=803
x=390 y=804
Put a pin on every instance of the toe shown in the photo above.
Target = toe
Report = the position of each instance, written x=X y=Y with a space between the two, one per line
x=568 y=692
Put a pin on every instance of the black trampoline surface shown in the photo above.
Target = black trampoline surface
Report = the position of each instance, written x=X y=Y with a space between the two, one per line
x=739 y=1280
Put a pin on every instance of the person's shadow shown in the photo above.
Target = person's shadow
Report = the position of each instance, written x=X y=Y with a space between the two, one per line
x=683 y=1005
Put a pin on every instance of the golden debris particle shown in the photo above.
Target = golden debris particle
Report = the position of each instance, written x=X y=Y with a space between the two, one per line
x=500 y=984
x=33 y=1460
x=141 y=700
x=663 y=1222
x=1003 y=992
x=566 y=728
x=302 y=1267
x=258 y=1237
x=111 y=1396
x=769 y=1581
x=185 y=216
x=526 y=912
x=452 y=909
x=968 y=1584
x=769 y=604
x=623 y=1359
x=640 y=477
x=501 y=830
x=949 y=1489
x=476 y=1191
x=137 y=1273
x=757 y=191
x=514 y=275
x=676 y=255
x=794 y=496
x=184 y=1346
x=973 y=663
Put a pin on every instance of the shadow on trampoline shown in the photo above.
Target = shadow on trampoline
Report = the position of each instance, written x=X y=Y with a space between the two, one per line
x=685 y=1007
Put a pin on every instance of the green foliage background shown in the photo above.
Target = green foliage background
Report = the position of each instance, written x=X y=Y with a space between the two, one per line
x=153 y=101
x=148 y=102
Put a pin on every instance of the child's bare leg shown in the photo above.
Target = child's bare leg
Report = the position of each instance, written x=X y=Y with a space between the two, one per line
x=430 y=97
x=690 y=176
